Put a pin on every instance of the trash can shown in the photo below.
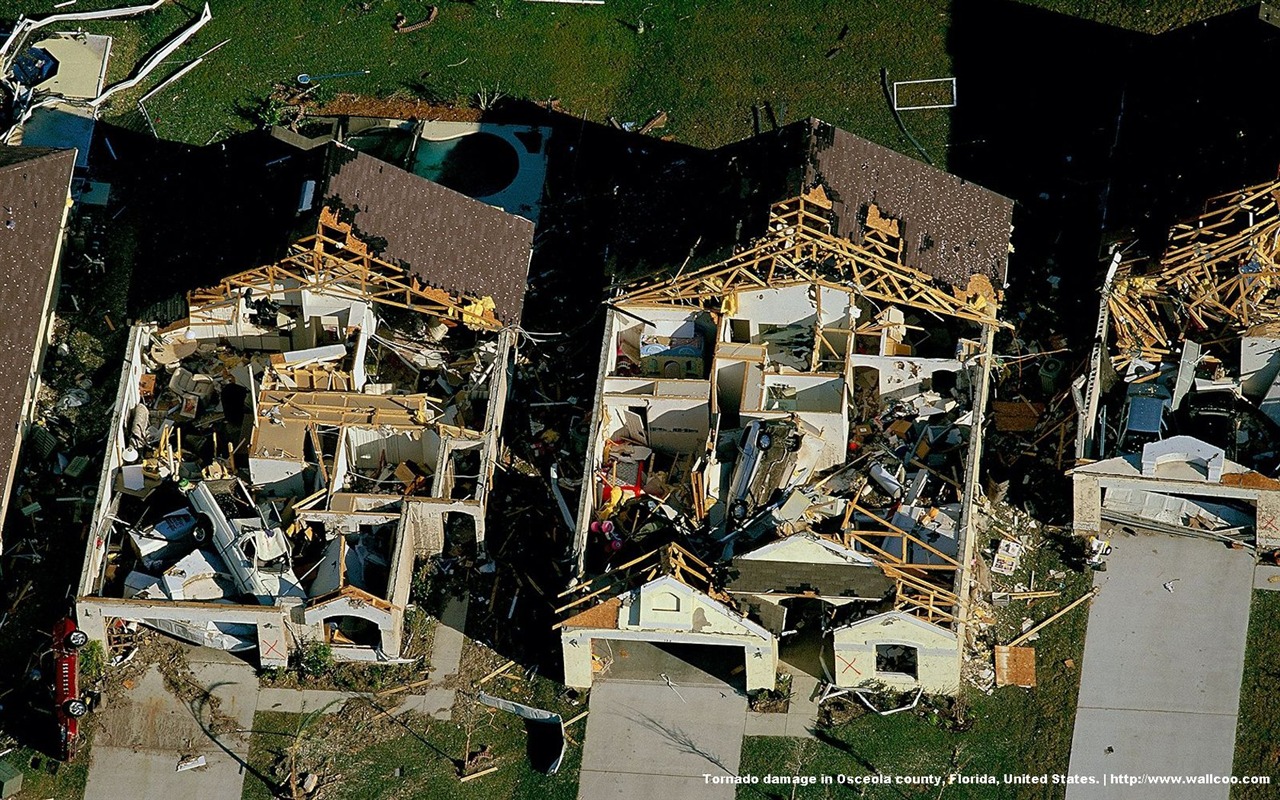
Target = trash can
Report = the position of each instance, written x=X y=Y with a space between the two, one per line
x=1050 y=371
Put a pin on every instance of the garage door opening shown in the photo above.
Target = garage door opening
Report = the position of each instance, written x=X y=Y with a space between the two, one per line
x=691 y=664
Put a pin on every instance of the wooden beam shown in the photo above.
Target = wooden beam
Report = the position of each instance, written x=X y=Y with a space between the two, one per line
x=1089 y=595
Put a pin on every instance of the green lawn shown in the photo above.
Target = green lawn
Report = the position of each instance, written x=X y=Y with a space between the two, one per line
x=1014 y=731
x=43 y=777
x=704 y=63
x=1258 y=729
x=369 y=756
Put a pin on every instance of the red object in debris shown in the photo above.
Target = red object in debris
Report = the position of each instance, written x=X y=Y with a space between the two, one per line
x=69 y=706
x=854 y=446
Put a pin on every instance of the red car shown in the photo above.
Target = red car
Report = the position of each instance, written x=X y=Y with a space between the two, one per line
x=69 y=706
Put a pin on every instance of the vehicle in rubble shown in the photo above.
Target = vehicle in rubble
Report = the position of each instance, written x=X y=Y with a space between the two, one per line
x=1147 y=416
x=1212 y=417
x=766 y=461
x=69 y=706
x=1223 y=419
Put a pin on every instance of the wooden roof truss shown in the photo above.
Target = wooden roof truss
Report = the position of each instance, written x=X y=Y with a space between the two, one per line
x=670 y=559
x=336 y=261
x=1218 y=276
x=921 y=589
x=800 y=248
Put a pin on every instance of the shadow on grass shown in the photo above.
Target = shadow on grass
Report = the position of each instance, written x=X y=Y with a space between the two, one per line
x=457 y=763
x=825 y=737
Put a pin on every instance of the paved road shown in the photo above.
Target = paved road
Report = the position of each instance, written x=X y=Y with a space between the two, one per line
x=1160 y=682
x=645 y=740
x=143 y=736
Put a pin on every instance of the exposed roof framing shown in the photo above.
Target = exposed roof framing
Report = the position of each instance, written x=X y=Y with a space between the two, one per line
x=917 y=592
x=409 y=411
x=355 y=595
x=671 y=559
x=1218 y=276
x=335 y=260
x=801 y=248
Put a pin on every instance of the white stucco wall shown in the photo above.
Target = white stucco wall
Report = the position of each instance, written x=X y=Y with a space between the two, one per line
x=937 y=650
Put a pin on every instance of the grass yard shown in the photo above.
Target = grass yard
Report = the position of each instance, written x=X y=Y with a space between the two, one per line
x=1013 y=730
x=1258 y=729
x=704 y=63
x=43 y=777
x=370 y=756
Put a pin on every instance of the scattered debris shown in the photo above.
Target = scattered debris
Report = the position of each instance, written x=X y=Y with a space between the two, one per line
x=402 y=24
x=1030 y=632
x=196 y=762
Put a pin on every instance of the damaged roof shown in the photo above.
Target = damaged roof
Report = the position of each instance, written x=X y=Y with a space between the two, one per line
x=822 y=579
x=446 y=239
x=34 y=183
x=951 y=228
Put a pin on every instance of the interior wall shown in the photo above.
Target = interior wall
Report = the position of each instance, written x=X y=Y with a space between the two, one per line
x=365 y=445
x=813 y=392
x=278 y=477
x=730 y=377
x=791 y=305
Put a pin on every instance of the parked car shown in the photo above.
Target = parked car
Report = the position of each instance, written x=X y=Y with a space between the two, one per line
x=69 y=706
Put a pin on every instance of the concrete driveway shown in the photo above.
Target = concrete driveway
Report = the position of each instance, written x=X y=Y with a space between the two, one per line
x=142 y=737
x=1160 y=682
x=645 y=739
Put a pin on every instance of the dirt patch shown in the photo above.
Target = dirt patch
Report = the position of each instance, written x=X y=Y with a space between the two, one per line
x=170 y=658
x=395 y=108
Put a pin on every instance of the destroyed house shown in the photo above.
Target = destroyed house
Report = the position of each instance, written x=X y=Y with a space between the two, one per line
x=279 y=458
x=1179 y=414
x=35 y=199
x=784 y=450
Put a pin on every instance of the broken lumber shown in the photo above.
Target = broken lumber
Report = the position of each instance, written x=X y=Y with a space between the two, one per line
x=496 y=673
x=475 y=775
x=404 y=687
x=658 y=120
x=1033 y=630
x=402 y=24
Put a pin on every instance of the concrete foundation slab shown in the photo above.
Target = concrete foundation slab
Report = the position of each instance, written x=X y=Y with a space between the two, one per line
x=144 y=735
x=302 y=701
x=446 y=648
x=435 y=703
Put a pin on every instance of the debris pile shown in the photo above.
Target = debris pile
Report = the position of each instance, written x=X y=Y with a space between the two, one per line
x=1189 y=391
x=794 y=422
x=299 y=441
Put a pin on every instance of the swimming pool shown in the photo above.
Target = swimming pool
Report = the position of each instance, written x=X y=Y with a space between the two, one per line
x=476 y=164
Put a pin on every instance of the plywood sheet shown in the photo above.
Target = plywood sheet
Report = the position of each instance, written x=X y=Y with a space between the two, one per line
x=1015 y=666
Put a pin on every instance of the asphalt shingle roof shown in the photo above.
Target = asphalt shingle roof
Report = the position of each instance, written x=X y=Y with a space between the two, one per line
x=34 y=183
x=446 y=239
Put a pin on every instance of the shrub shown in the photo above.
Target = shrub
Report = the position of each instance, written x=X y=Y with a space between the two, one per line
x=314 y=658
